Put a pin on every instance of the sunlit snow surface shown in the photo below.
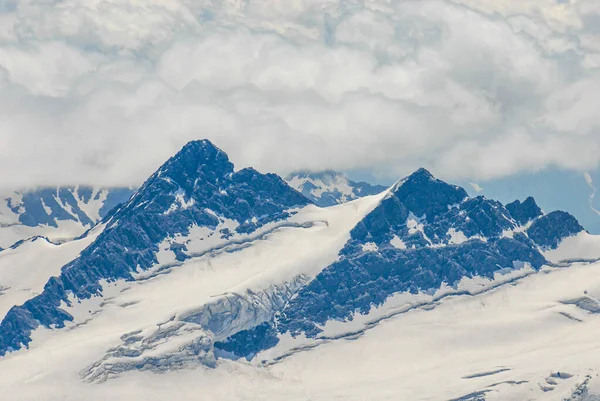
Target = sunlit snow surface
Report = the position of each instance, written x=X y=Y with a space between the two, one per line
x=523 y=335
x=26 y=269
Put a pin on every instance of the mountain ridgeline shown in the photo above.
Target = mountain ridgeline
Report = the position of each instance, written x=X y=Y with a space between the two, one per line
x=424 y=233
x=194 y=188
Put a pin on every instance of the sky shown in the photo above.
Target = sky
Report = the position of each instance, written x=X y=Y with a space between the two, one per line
x=103 y=91
x=552 y=189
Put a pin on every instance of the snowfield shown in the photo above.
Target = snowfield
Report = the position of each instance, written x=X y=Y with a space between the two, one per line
x=580 y=247
x=25 y=269
x=519 y=341
x=523 y=335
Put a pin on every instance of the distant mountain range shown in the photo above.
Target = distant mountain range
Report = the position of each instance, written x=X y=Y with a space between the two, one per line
x=59 y=213
x=328 y=188
x=63 y=213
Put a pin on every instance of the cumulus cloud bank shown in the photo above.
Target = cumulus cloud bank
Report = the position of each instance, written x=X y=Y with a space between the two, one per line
x=103 y=91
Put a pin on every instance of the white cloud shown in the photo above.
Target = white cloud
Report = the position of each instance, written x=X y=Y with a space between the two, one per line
x=47 y=68
x=573 y=108
x=104 y=91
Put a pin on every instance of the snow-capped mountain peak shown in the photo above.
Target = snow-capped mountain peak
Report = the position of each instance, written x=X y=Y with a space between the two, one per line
x=327 y=188
x=425 y=195
x=424 y=234
x=197 y=160
x=153 y=230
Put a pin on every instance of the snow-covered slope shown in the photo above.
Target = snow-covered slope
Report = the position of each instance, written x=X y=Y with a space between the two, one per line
x=424 y=237
x=576 y=248
x=520 y=341
x=59 y=213
x=213 y=277
x=329 y=188
x=195 y=203
x=25 y=269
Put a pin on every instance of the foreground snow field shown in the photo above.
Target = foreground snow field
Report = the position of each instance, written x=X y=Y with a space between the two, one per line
x=518 y=341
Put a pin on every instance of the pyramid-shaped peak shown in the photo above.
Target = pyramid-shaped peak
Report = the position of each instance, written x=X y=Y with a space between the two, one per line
x=195 y=157
x=201 y=149
x=421 y=173
x=423 y=194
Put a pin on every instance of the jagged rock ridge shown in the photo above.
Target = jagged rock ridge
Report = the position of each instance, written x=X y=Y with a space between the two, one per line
x=196 y=187
x=424 y=234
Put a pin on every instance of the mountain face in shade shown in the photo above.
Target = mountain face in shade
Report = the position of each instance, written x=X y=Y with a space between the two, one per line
x=425 y=234
x=424 y=195
x=328 y=188
x=59 y=213
x=523 y=212
x=195 y=188
x=549 y=230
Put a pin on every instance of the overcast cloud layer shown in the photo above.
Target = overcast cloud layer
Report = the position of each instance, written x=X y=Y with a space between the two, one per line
x=97 y=91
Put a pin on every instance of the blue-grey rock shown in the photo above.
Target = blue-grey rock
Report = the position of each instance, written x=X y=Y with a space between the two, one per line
x=525 y=211
x=425 y=195
x=549 y=230
x=205 y=177
x=365 y=277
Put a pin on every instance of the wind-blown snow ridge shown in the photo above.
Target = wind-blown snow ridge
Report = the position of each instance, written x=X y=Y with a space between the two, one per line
x=230 y=244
